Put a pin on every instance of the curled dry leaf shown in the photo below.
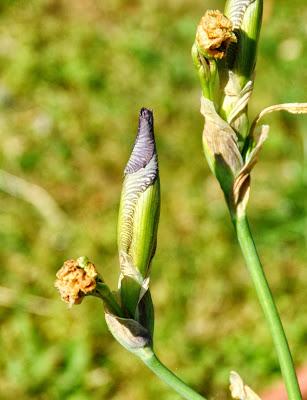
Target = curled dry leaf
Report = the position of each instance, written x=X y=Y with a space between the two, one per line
x=241 y=186
x=220 y=139
x=239 y=390
x=241 y=97
x=293 y=108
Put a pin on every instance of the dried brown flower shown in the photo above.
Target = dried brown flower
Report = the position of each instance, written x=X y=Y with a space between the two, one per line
x=75 y=281
x=214 y=34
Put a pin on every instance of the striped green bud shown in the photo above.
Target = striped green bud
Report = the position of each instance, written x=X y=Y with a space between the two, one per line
x=246 y=17
x=139 y=215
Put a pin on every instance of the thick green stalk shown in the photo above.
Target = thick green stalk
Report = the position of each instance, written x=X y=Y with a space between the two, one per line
x=268 y=305
x=152 y=362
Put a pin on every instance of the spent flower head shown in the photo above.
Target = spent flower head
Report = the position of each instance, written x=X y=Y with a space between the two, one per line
x=214 y=34
x=76 y=279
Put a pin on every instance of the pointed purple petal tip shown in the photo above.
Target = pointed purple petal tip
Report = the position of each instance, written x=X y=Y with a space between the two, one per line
x=146 y=114
x=144 y=147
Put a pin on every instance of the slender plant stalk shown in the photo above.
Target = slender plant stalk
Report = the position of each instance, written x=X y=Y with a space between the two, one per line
x=103 y=291
x=167 y=376
x=266 y=300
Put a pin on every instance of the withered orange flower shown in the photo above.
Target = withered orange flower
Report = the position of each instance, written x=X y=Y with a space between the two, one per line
x=74 y=282
x=214 y=34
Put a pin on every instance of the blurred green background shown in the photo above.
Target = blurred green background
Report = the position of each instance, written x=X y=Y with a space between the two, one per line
x=73 y=75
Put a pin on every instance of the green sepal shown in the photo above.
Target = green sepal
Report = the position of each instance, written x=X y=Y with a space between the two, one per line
x=145 y=225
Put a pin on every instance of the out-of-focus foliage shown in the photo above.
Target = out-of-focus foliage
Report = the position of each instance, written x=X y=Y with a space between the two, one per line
x=73 y=75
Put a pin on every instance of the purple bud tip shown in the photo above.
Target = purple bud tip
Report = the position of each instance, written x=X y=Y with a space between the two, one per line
x=144 y=147
x=146 y=114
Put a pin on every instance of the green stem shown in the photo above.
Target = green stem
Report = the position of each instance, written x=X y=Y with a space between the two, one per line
x=268 y=305
x=103 y=292
x=167 y=376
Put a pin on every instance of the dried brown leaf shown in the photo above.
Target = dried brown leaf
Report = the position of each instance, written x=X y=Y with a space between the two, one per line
x=293 y=108
x=220 y=138
x=239 y=390
x=241 y=186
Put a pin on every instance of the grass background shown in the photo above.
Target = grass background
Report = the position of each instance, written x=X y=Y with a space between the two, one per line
x=73 y=75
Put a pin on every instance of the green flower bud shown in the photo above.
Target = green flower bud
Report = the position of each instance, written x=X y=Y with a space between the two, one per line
x=139 y=215
x=246 y=17
x=238 y=71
